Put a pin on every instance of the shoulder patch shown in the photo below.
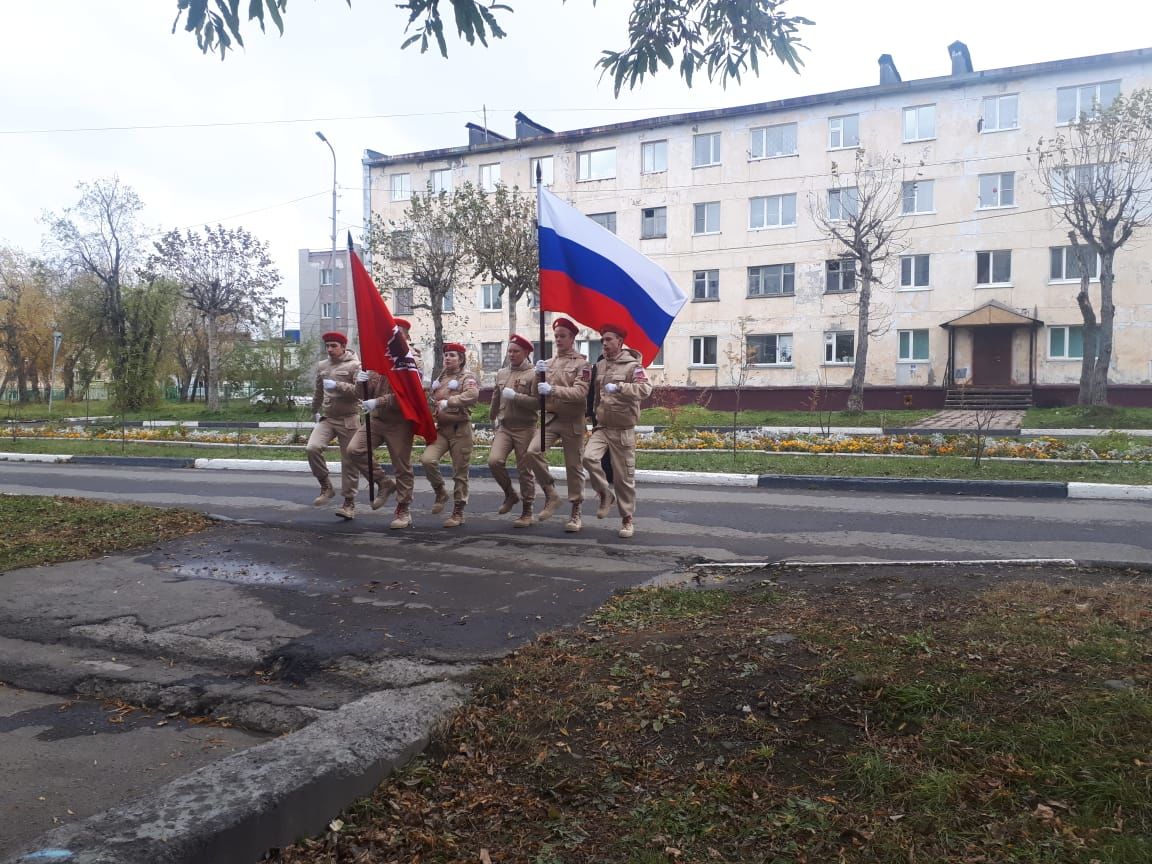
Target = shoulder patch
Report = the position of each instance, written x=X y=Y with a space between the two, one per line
x=586 y=374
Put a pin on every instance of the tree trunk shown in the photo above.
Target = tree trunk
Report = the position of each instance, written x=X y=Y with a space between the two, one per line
x=860 y=366
x=1107 y=320
x=512 y=315
x=213 y=391
x=1091 y=338
x=437 y=305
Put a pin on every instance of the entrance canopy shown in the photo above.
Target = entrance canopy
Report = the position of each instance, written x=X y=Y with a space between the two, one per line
x=992 y=313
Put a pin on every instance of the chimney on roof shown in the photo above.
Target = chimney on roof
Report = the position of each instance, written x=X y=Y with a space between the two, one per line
x=889 y=74
x=526 y=127
x=961 y=59
x=478 y=134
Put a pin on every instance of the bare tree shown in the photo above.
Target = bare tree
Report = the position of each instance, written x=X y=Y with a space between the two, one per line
x=860 y=214
x=1098 y=176
x=740 y=354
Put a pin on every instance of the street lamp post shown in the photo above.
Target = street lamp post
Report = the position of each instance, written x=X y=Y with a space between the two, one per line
x=332 y=259
x=57 y=337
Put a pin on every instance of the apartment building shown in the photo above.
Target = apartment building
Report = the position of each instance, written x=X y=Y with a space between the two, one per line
x=325 y=292
x=982 y=292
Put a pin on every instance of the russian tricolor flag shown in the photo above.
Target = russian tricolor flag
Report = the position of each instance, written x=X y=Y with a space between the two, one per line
x=588 y=272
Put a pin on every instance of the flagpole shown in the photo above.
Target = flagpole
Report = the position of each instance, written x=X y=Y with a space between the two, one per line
x=540 y=376
x=367 y=414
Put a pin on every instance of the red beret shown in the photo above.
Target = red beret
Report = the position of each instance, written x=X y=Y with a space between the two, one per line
x=622 y=332
x=457 y=347
x=333 y=336
x=403 y=322
x=567 y=324
x=517 y=339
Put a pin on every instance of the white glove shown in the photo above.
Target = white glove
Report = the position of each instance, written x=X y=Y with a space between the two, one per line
x=508 y=393
x=316 y=417
x=453 y=384
x=427 y=382
x=362 y=376
x=329 y=384
x=541 y=365
x=443 y=403
x=544 y=387
x=611 y=387
x=370 y=404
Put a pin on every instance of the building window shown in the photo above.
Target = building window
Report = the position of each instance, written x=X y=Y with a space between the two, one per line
x=653 y=157
x=843 y=203
x=400 y=187
x=596 y=164
x=920 y=123
x=997 y=190
x=440 y=181
x=539 y=353
x=706 y=218
x=545 y=164
x=489 y=176
x=1065 y=264
x=917 y=196
x=658 y=360
x=403 y=301
x=840 y=275
x=772 y=280
x=771 y=211
x=706 y=285
x=448 y=301
x=329 y=310
x=843 y=131
x=769 y=349
x=1066 y=343
x=491 y=297
x=1086 y=99
x=839 y=346
x=764 y=142
x=914 y=271
x=703 y=350
x=604 y=220
x=1081 y=183
x=705 y=149
x=326 y=277
x=1000 y=113
x=491 y=356
x=994 y=268
x=653 y=222
x=590 y=348
x=913 y=346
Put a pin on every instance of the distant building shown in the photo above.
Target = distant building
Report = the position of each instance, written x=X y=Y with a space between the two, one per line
x=325 y=293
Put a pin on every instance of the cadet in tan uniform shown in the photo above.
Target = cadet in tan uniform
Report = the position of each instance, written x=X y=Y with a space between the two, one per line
x=336 y=410
x=513 y=412
x=565 y=387
x=621 y=384
x=453 y=395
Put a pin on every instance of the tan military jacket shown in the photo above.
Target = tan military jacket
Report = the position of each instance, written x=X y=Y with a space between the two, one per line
x=521 y=411
x=570 y=375
x=387 y=408
x=460 y=401
x=621 y=410
x=344 y=401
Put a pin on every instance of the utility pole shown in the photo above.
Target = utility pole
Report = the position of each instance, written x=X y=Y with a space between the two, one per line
x=57 y=337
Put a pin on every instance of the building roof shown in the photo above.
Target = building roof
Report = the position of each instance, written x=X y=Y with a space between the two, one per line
x=993 y=312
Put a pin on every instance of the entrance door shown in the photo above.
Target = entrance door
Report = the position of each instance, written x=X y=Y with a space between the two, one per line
x=991 y=356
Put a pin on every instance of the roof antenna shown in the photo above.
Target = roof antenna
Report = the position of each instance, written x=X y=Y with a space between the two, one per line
x=485 y=107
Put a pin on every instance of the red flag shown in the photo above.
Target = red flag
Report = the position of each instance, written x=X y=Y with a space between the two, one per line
x=384 y=349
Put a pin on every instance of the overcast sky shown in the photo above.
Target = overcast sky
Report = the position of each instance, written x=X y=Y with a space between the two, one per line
x=92 y=88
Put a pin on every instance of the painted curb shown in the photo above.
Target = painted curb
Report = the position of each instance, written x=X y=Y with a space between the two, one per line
x=34 y=457
x=985 y=488
x=137 y=461
x=1102 y=491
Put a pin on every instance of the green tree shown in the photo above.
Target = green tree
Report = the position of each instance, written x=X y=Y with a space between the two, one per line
x=723 y=38
x=26 y=323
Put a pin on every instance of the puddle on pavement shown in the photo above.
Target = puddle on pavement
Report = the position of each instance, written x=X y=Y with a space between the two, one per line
x=237 y=572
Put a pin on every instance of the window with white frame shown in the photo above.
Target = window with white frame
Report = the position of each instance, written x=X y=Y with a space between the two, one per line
x=771 y=211
x=403 y=301
x=843 y=203
x=840 y=275
x=705 y=149
x=329 y=310
x=440 y=180
x=658 y=360
x=765 y=142
x=840 y=346
x=1066 y=343
x=914 y=271
x=491 y=356
x=769 y=349
x=994 y=267
x=448 y=301
x=546 y=164
x=327 y=276
x=706 y=218
x=917 y=196
x=653 y=222
x=843 y=131
x=703 y=350
x=400 y=187
x=596 y=164
x=653 y=157
x=604 y=220
x=919 y=123
x=491 y=297
x=706 y=285
x=489 y=176
x=1065 y=263
x=1000 y=113
x=1084 y=99
x=997 y=190
x=913 y=346
x=1080 y=183
x=772 y=280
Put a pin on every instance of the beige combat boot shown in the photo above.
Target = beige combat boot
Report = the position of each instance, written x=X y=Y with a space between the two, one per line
x=607 y=499
x=348 y=511
x=385 y=486
x=627 y=528
x=327 y=493
x=551 y=502
x=457 y=517
x=403 y=516
x=573 y=525
x=511 y=499
x=441 y=499
x=525 y=519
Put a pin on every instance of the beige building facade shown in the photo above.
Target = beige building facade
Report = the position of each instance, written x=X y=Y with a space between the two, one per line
x=981 y=292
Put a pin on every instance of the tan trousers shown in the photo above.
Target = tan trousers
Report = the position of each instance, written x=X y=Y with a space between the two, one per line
x=570 y=433
x=396 y=435
x=342 y=429
x=621 y=447
x=455 y=439
x=504 y=442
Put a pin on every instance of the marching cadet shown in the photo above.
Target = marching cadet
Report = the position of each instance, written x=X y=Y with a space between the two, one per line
x=453 y=394
x=621 y=384
x=513 y=412
x=565 y=388
x=336 y=411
